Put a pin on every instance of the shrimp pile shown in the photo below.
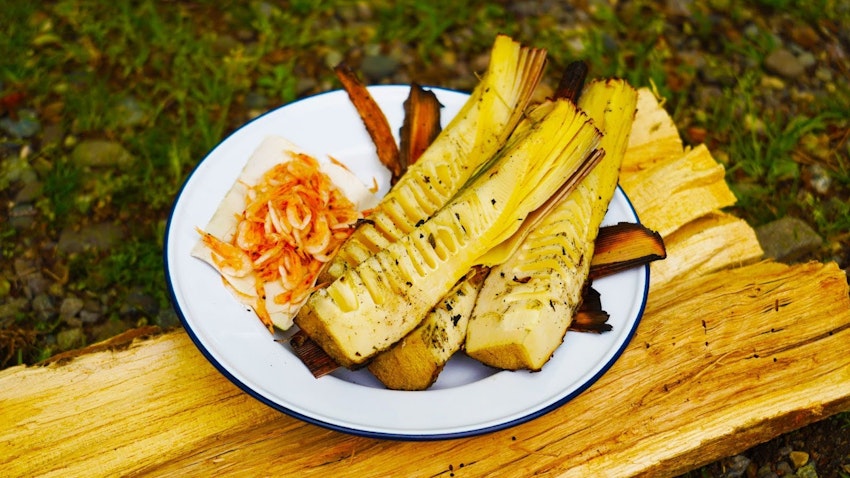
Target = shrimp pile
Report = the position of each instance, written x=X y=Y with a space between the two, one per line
x=294 y=221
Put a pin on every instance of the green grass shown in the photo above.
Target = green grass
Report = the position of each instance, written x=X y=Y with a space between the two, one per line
x=186 y=69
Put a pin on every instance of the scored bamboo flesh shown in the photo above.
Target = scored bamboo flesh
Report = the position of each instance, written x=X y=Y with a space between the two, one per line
x=461 y=149
x=527 y=303
x=376 y=303
x=415 y=361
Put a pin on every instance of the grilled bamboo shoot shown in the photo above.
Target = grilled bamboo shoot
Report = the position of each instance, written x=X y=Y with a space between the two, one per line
x=478 y=131
x=415 y=362
x=376 y=303
x=526 y=304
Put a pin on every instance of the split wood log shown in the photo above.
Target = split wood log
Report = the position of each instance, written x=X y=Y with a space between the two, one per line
x=719 y=363
x=676 y=191
x=725 y=357
x=704 y=245
x=655 y=139
x=680 y=193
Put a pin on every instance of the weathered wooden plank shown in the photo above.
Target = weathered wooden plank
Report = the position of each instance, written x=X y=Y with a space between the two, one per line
x=719 y=363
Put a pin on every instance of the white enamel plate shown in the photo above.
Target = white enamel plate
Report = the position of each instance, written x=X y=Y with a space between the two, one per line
x=468 y=399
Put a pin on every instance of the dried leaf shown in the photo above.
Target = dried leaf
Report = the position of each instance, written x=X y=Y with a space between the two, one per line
x=373 y=118
x=421 y=124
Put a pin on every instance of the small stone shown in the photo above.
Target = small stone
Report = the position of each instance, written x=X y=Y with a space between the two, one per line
x=167 y=318
x=29 y=192
x=43 y=307
x=824 y=74
x=807 y=59
x=736 y=466
x=609 y=43
x=787 y=239
x=576 y=45
x=772 y=82
x=807 y=471
x=92 y=305
x=139 y=303
x=10 y=309
x=101 y=153
x=70 y=339
x=784 y=469
x=23 y=216
x=333 y=58
x=52 y=113
x=53 y=135
x=798 y=458
x=378 y=67
x=70 y=307
x=819 y=178
x=680 y=8
x=109 y=329
x=25 y=126
x=783 y=63
x=805 y=36
x=90 y=317
x=128 y=111
x=766 y=472
x=752 y=31
x=256 y=101
x=96 y=236
x=35 y=284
